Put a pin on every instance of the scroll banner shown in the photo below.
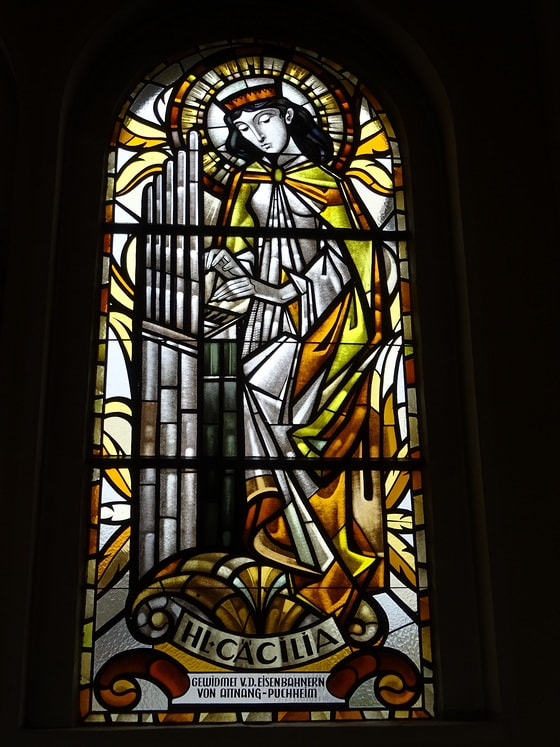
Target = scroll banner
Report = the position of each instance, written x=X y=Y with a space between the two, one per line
x=258 y=653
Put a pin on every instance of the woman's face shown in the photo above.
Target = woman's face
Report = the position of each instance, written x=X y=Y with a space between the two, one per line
x=266 y=129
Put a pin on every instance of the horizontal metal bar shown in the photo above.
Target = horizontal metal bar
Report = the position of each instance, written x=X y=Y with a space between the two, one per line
x=313 y=463
x=164 y=229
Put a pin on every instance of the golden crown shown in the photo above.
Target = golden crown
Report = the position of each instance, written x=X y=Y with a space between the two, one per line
x=250 y=95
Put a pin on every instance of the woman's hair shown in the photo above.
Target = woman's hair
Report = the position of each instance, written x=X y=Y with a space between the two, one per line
x=313 y=142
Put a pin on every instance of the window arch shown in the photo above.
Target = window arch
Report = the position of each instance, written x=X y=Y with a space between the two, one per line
x=257 y=515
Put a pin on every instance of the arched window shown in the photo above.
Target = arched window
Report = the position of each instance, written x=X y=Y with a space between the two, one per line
x=257 y=523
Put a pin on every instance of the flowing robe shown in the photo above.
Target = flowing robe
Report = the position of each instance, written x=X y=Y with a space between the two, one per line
x=306 y=366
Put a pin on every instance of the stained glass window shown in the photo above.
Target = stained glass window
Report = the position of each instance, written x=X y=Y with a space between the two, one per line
x=257 y=547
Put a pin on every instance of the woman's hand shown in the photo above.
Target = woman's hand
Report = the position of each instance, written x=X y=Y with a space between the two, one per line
x=238 y=284
x=246 y=287
x=234 y=290
x=224 y=263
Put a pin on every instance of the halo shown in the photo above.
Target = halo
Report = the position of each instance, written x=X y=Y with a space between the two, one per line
x=199 y=96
